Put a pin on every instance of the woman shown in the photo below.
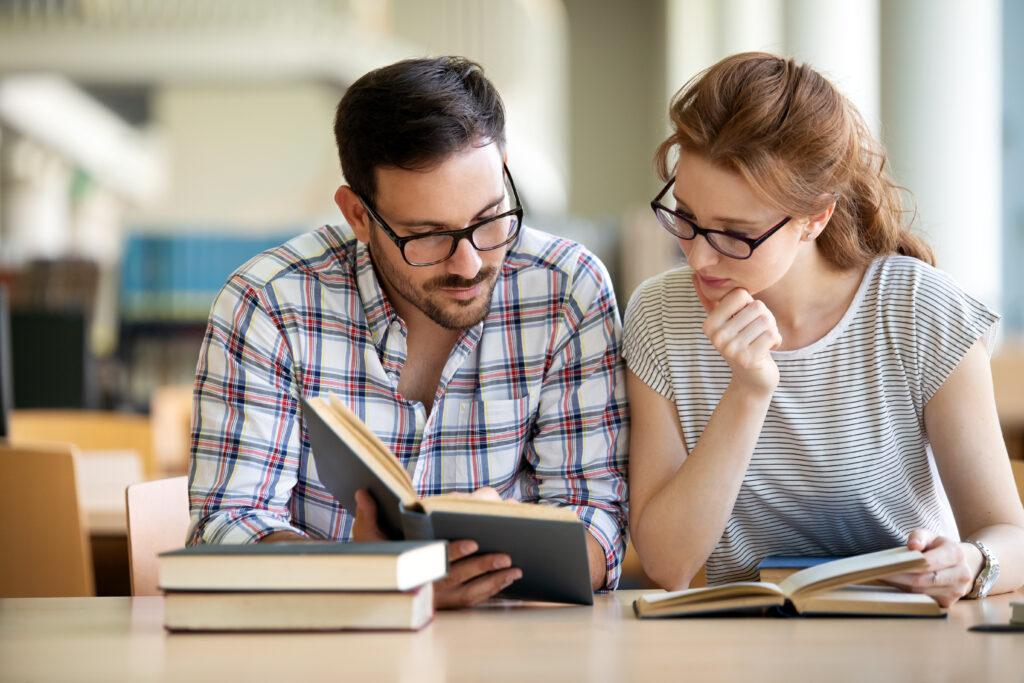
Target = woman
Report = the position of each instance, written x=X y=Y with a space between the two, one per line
x=808 y=384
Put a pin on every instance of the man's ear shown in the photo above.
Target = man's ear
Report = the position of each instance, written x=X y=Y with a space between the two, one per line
x=815 y=224
x=354 y=211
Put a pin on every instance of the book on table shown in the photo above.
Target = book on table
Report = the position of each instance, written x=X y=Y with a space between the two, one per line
x=822 y=589
x=548 y=543
x=299 y=611
x=775 y=568
x=315 y=585
x=304 y=566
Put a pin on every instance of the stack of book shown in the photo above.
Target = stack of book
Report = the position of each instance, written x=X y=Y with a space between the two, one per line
x=308 y=586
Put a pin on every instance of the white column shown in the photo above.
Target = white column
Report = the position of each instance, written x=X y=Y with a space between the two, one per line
x=840 y=39
x=701 y=32
x=746 y=25
x=36 y=203
x=941 y=118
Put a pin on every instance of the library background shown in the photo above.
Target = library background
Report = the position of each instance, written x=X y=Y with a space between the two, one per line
x=148 y=149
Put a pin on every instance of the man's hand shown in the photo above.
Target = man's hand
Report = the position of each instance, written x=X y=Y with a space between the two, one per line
x=364 y=527
x=471 y=578
x=949 y=574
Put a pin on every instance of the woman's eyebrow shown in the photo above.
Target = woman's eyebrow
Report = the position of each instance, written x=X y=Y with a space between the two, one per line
x=739 y=222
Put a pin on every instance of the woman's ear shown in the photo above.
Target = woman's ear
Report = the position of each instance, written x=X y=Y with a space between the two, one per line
x=817 y=223
x=354 y=211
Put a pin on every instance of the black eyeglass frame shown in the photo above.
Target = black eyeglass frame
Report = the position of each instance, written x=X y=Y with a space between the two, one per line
x=456 y=235
x=751 y=242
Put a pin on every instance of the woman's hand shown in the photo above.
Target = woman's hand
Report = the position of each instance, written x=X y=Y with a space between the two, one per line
x=949 y=574
x=743 y=330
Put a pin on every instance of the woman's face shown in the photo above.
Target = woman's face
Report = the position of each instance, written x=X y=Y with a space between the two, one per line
x=718 y=199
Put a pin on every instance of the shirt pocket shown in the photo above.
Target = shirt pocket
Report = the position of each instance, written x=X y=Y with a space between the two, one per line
x=483 y=443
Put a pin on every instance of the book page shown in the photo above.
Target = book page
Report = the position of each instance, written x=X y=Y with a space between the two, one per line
x=370 y=449
x=479 y=506
x=852 y=570
x=713 y=593
x=865 y=600
x=734 y=604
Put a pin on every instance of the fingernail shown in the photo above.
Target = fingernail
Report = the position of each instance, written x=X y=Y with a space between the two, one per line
x=502 y=562
x=469 y=547
x=512 y=578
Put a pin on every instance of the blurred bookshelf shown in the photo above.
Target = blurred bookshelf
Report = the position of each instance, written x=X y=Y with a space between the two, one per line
x=168 y=283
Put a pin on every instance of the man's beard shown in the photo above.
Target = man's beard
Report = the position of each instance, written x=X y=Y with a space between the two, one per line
x=466 y=313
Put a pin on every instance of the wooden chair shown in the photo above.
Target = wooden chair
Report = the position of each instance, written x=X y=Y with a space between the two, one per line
x=158 y=521
x=170 y=412
x=45 y=547
x=89 y=430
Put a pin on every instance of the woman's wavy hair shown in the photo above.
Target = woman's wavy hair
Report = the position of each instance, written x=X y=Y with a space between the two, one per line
x=801 y=145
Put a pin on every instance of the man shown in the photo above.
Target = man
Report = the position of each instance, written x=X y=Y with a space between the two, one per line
x=483 y=353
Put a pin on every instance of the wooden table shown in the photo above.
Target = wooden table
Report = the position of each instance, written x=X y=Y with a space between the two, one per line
x=122 y=639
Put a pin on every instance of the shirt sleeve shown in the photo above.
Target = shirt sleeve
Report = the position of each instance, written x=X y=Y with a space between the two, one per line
x=245 y=433
x=643 y=340
x=581 y=437
x=947 y=323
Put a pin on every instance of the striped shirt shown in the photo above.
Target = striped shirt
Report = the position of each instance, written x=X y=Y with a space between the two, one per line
x=843 y=464
x=531 y=400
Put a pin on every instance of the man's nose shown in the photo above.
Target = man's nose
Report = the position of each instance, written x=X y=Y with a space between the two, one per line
x=466 y=261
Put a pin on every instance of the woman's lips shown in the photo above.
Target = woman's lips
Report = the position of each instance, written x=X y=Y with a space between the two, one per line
x=712 y=282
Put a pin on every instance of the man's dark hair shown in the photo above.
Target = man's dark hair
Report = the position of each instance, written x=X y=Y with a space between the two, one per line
x=413 y=114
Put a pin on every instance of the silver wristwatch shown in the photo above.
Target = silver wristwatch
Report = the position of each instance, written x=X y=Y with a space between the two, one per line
x=988 y=574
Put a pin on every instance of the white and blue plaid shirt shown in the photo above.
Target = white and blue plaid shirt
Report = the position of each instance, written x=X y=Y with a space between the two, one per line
x=531 y=400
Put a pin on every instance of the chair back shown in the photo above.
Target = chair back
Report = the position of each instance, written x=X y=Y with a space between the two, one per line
x=45 y=544
x=6 y=370
x=89 y=430
x=170 y=413
x=158 y=521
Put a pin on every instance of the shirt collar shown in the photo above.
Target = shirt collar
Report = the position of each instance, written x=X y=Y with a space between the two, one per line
x=380 y=314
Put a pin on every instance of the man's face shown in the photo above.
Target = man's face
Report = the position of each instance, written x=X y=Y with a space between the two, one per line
x=465 y=188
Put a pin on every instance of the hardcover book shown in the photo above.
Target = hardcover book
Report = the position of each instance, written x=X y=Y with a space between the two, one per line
x=309 y=611
x=304 y=566
x=548 y=543
x=823 y=589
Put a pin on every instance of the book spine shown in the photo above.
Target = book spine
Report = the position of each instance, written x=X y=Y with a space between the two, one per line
x=417 y=525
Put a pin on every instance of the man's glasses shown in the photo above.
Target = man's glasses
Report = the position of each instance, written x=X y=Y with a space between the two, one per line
x=733 y=246
x=435 y=247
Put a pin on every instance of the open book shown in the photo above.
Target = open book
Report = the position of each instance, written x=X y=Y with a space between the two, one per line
x=548 y=543
x=821 y=589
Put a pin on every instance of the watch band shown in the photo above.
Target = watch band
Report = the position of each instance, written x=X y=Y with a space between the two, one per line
x=988 y=574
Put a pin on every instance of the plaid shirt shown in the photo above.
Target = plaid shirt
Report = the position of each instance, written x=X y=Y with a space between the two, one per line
x=531 y=400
